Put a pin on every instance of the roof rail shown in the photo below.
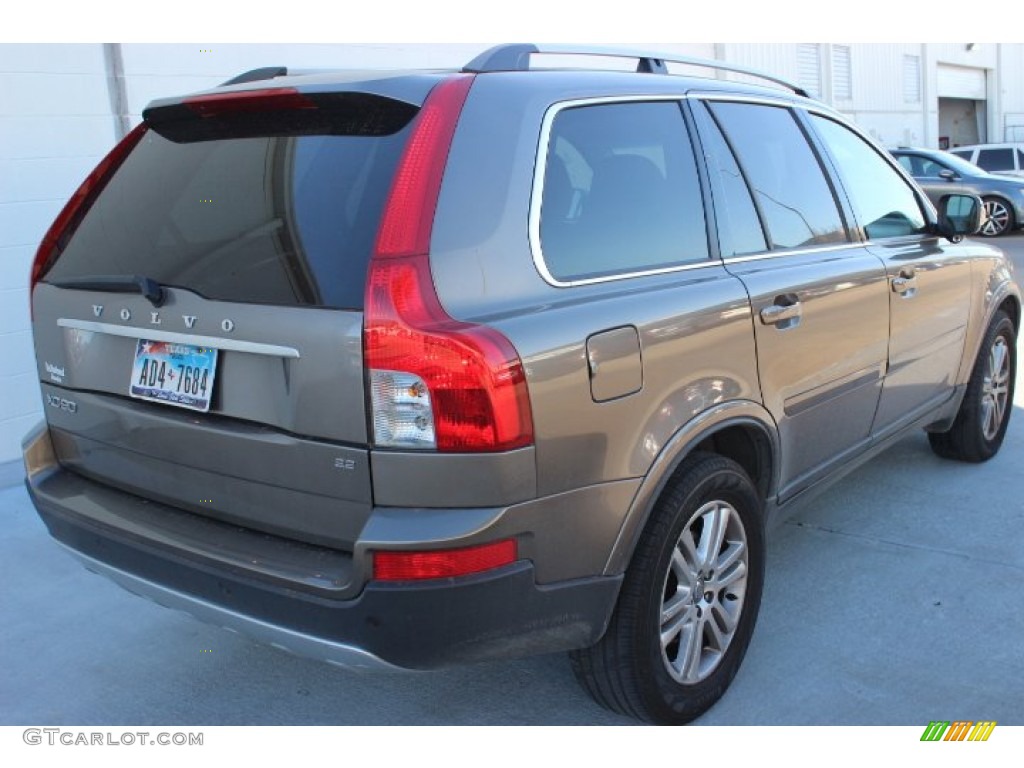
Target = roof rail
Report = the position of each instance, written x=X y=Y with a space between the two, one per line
x=515 y=57
x=254 y=75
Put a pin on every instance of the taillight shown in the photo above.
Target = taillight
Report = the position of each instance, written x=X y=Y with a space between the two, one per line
x=74 y=211
x=442 y=563
x=434 y=382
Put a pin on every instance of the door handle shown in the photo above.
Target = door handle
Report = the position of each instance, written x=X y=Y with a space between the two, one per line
x=905 y=286
x=780 y=313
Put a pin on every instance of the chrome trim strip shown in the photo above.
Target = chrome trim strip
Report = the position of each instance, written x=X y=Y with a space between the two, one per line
x=299 y=643
x=791 y=252
x=217 y=342
x=540 y=167
x=773 y=101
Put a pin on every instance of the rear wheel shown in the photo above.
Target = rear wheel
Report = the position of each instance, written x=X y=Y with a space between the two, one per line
x=689 y=600
x=998 y=218
x=980 y=425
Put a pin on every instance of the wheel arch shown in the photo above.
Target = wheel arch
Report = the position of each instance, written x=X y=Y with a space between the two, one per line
x=741 y=430
x=995 y=283
x=1001 y=295
x=1011 y=306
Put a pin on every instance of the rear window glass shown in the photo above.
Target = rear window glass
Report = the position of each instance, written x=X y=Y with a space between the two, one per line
x=621 y=193
x=996 y=159
x=289 y=217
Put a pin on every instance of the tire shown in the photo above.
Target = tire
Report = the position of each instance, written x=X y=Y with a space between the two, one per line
x=998 y=218
x=980 y=424
x=671 y=588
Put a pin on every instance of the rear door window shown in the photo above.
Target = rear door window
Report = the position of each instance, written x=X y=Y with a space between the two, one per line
x=275 y=209
x=739 y=228
x=790 y=189
x=620 y=192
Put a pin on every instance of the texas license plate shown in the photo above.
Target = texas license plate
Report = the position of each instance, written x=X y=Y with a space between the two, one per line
x=177 y=374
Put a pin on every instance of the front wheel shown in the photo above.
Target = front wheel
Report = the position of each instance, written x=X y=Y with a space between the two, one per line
x=980 y=424
x=689 y=600
x=998 y=218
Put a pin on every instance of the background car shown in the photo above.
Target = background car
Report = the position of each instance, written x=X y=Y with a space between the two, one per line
x=941 y=173
x=1005 y=159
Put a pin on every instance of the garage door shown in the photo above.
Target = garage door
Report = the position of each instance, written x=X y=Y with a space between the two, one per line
x=961 y=82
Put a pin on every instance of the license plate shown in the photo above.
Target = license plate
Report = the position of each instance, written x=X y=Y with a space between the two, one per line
x=177 y=374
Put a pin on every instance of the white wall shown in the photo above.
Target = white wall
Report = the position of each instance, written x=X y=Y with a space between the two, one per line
x=1011 y=88
x=878 y=104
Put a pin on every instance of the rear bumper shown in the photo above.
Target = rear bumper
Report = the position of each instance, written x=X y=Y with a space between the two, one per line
x=302 y=598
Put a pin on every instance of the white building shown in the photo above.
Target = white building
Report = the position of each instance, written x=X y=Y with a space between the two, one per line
x=919 y=94
x=64 y=106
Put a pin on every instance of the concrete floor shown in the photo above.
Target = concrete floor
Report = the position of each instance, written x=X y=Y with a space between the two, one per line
x=895 y=598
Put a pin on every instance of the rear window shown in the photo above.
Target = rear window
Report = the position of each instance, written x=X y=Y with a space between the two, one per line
x=288 y=216
x=621 y=193
x=996 y=159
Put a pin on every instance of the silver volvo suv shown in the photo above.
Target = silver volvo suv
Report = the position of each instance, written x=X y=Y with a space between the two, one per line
x=411 y=369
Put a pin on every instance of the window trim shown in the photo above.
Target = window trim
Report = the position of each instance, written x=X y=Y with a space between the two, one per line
x=537 y=192
x=791 y=252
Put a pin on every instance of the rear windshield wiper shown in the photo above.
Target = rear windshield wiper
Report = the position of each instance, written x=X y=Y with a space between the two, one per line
x=148 y=287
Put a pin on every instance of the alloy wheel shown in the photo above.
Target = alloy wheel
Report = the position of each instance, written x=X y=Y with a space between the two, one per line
x=997 y=218
x=703 y=592
x=995 y=388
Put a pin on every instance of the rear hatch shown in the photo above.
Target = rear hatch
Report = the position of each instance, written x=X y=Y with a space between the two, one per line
x=199 y=335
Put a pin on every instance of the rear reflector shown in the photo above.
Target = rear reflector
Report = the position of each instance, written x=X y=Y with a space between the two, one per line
x=260 y=100
x=70 y=217
x=442 y=564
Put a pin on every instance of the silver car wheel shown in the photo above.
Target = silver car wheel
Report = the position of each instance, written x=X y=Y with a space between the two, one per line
x=995 y=388
x=997 y=218
x=703 y=593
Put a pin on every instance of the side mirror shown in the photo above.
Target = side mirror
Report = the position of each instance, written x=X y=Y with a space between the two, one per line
x=959 y=216
x=947 y=174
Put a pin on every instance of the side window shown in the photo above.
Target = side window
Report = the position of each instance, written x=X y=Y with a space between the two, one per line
x=996 y=159
x=789 y=186
x=885 y=205
x=1020 y=160
x=965 y=154
x=908 y=165
x=739 y=229
x=621 y=192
